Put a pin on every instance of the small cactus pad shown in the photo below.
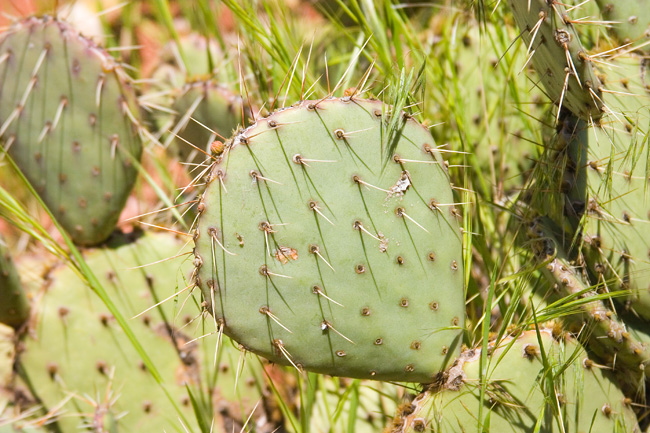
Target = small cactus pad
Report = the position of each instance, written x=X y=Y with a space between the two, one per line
x=314 y=248
x=67 y=117
x=564 y=68
x=203 y=108
x=14 y=308
x=554 y=384
x=77 y=348
x=629 y=20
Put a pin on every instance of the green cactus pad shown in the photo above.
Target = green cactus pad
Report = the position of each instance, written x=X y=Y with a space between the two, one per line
x=14 y=308
x=563 y=66
x=316 y=249
x=68 y=118
x=553 y=387
x=215 y=107
x=629 y=20
x=77 y=348
x=365 y=405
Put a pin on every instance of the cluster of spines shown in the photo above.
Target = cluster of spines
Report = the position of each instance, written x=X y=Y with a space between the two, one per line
x=608 y=336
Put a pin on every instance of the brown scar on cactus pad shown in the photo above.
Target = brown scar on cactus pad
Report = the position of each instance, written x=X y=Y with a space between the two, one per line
x=69 y=119
x=516 y=392
x=316 y=283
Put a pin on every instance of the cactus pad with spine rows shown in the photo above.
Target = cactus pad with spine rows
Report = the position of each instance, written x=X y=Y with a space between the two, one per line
x=76 y=347
x=555 y=387
x=68 y=118
x=316 y=249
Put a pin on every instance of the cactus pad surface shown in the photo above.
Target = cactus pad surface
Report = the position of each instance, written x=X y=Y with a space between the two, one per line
x=616 y=227
x=629 y=20
x=216 y=108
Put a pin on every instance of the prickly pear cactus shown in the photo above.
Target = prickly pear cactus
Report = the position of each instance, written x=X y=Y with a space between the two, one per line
x=531 y=382
x=347 y=262
x=68 y=118
x=375 y=403
x=608 y=336
x=502 y=140
x=14 y=308
x=207 y=112
x=564 y=68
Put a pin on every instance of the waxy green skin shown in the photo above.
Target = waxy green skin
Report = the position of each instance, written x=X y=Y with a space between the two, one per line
x=608 y=336
x=563 y=66
x=501 y=139
x=385 y=302
x=607 y=196
x=69 y=120
x=616 y=231
x=517 y=393
x=75 y=346
x=14 y=307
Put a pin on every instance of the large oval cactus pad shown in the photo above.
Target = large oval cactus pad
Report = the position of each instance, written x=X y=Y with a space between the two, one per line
x=315 y=249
